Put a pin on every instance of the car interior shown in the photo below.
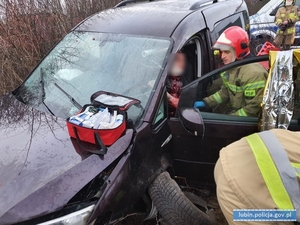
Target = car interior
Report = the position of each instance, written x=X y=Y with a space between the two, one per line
x=211 y=84
x=190 y=51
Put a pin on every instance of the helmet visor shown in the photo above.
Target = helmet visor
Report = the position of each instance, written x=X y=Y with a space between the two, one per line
x=222 y=47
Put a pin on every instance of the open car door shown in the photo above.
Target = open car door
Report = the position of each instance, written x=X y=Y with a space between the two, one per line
x=200 y=153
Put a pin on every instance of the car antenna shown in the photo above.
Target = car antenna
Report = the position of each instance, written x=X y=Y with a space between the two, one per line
x=125 y=2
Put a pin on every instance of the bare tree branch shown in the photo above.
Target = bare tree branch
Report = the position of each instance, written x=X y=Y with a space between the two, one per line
x=30 y=28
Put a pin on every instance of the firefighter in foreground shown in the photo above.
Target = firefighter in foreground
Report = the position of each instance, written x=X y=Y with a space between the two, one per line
x=260 y=171
x=243 y=86
x=286 y=18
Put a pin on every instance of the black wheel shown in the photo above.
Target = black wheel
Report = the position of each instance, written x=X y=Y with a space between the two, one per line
x=257 y=42
x=174 y=207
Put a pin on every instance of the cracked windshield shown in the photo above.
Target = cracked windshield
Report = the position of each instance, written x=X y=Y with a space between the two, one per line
x=84 y=63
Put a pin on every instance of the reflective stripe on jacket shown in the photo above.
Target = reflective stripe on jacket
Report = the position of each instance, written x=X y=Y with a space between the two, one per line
x=287 y=13
x=244 y=180
x=243 y=87
x=279 y=174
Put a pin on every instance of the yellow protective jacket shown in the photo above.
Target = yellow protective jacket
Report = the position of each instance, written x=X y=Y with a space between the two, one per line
x=240 y=183
x=287 y=13
x=243 y=87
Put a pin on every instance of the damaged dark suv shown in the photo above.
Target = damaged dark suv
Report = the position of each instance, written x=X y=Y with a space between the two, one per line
x=46 y=178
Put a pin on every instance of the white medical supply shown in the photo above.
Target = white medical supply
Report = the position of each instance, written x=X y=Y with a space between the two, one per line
x=78 y=119
x=103 y=125
x=119 y=121
x=84 y=116
x=102 y=119
x=113 y=119
x=88 y=124
x=75 y=121
x=106 y=115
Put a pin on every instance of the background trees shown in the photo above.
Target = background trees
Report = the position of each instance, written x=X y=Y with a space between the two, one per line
x=30 y=28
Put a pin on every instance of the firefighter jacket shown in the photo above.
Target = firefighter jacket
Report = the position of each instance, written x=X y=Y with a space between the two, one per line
x=266 y=164
x=243 y=88
x=290 y=14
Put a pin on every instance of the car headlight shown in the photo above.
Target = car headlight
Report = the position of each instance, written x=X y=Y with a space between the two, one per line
x=76 y=218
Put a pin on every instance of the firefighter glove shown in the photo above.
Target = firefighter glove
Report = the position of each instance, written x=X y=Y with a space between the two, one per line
x=282 y=27
x=199 y=105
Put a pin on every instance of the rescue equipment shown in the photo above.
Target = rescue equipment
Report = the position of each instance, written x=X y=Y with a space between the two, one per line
x=278 y=101
x=265 y=49
x=103 y=121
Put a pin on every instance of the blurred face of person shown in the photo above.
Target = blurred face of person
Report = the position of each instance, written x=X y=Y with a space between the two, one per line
x=179 y=65
x=227 y=56
x=288 y=2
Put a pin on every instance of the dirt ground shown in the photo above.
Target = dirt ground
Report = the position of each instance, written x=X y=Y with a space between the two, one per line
x=133 y=221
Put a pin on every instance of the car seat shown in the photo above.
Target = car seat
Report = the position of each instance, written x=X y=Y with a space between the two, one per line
x=191 y=63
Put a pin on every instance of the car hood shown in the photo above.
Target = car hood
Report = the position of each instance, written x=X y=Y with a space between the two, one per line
x=41 y=168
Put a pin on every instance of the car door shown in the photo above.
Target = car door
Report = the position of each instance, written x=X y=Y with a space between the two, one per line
x=195 y=156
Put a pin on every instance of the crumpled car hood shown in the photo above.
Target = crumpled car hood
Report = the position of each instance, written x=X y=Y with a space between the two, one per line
x=40 y=170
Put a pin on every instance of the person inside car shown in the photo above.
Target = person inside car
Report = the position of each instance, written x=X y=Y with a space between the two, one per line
x=243 y=86
x=175 y=81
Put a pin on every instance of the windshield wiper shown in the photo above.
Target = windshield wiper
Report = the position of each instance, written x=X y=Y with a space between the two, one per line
x=74 y=102
x=42 y=82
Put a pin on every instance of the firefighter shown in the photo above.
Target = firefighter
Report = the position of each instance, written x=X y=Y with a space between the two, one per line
x=260 y=171
x=286 y=18
x=242 y=86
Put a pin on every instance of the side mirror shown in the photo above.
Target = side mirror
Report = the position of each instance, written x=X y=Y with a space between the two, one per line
x=192 y=121
x=274 y=11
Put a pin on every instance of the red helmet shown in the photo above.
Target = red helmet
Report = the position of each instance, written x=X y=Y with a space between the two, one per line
x=234 y=37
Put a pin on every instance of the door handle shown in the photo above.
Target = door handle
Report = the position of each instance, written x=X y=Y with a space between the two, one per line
x=167 y=140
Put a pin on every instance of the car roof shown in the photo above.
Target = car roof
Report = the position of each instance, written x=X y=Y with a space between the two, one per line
x=156 y=18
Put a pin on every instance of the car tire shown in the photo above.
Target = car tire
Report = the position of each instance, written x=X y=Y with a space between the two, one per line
x=171 y=203
x=257 y=43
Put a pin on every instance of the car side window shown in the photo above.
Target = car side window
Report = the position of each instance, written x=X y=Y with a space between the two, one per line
x=239 y=19
x=274 y=11
x=191 y=50
x=161 y=113
x=235 y=93
x=298 y=3
x=233 y=20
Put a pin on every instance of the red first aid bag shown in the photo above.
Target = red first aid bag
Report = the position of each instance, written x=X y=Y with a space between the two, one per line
x=103 y=137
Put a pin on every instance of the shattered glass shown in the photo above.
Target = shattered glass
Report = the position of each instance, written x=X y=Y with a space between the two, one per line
x=86 y=62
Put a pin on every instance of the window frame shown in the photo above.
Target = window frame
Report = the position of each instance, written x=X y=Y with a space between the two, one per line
x=199 y=57
x=156 y=125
